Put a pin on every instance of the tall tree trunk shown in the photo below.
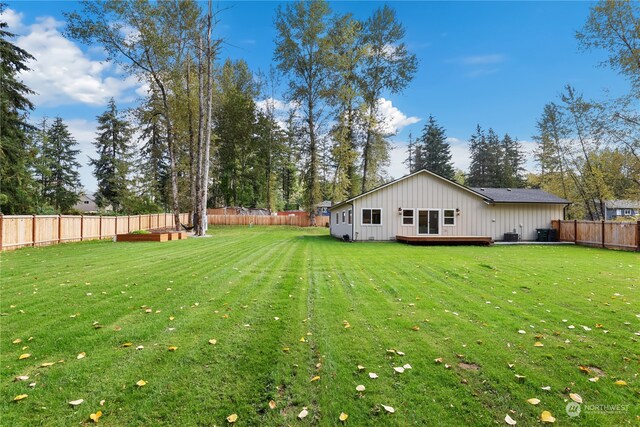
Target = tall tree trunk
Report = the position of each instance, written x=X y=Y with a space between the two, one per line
x=204 y=185
x=192 y=147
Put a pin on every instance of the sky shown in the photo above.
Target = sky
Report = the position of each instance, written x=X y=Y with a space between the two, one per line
x=495 y=64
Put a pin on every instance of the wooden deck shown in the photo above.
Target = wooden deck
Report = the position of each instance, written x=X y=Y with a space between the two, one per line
x=446 y=240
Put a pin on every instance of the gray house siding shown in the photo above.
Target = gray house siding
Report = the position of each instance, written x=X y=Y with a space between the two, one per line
x=474 y=216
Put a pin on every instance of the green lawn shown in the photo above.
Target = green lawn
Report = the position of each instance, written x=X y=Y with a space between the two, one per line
x=286 y=304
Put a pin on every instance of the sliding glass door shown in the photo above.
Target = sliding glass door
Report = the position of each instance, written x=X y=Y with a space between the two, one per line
x=428 y=221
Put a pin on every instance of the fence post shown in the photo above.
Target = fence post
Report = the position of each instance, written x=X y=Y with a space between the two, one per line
x=1 y=229
x=637 y=235
x=81 y=228
x=603 y=244
x=59 y=229
x=100 y=232
x=575 y=231
x=116 y=224
x=128 y=223
x=33 y=230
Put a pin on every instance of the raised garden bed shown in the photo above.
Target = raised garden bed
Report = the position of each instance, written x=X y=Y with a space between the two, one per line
x=152 y=237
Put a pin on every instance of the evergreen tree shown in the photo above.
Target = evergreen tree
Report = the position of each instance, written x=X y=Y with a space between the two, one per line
x=494 y=160
x=478 y=169
x=435 y=154
x=410 y=161
x=513 y=163
x=16 y=153
x=112 y=167
x=63 y=189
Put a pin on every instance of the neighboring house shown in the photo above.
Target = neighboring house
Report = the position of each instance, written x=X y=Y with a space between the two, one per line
x=322 y=208
x=426 y=204
x=621 y=208
x=87 y=204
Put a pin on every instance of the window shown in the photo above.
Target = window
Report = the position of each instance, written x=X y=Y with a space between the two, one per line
x=627 y=211
x=449 y=217
x=86 y=202
x=344 y=217
x=407 y=217
x=350 y=216
x=371 y=216
x=337 y=218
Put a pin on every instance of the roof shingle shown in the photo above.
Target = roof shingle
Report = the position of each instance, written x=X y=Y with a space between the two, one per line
x=519 y=195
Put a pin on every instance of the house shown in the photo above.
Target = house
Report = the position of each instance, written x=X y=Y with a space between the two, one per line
x=87 y=204
x=322 y=208
x=621 y=208
x=423 y=204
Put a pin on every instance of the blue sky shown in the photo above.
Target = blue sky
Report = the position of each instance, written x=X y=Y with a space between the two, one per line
x=490 y=63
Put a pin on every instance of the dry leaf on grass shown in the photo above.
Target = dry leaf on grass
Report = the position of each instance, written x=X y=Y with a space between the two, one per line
x=316 y=378
x=620 y=382
x=361 y=368
x=81 y=355
x=24 y=356
x=509 y=420
x=575 y=397
x=47 y=364
x=127 y=344
x=343 y=417
x=407 y=366
x=21 y=378
x=172 y=348
x=17 y=341
x=415 y=328
x=360 y=388
x=76 y=402
x=20 y=397
x=141 y=383
x=398 y=369
x=272 y=404
x=303 y=413
x=533 y=401
x=213 y=341
x=95 y=417
x=546 y=417
x=373 y=375
x=438 y=360
x=232 y=418
x=538 y=344
x=389 y=409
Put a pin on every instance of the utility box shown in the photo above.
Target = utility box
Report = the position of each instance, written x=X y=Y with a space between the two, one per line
x=510 y=237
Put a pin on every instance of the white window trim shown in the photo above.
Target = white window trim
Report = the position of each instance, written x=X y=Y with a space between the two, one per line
x=418 y=221
x=454 y=218
x=627 y=211
x=362 y=224
x=349 y=217
x=344 y=217
x=413 y=218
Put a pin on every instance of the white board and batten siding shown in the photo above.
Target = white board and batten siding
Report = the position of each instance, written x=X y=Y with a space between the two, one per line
x=339 y=222
x=474 y=215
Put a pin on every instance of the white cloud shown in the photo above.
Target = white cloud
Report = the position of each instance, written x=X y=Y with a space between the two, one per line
x=392 y=120
x=493 y=58
x=63 y=74
x=13 y=20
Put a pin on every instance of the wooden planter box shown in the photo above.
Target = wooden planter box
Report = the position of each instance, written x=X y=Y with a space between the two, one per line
x=152 y=237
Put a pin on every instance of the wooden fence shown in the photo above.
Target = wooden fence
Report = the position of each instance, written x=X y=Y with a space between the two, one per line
x=17 y=231
x=296 y=221
x=604 y=234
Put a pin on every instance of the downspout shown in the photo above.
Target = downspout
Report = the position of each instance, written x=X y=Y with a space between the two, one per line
x=353 y=223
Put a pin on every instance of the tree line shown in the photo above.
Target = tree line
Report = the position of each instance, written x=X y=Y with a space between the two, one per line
x=212 y=133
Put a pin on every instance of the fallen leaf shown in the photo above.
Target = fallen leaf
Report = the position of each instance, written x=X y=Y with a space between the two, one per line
x=575 y=397
x=303 y=340
x=361 y=368
x=95 y=417
x=509 y=420
x=538 y=344
x=398 y=369
x=620 y=382
x=172 y=348
x=343 y=417
x=520 y=377
x=360 y=388
x=407 y=366
x=533 y=401
x=24 y=356
x=285 y=349
x=272 y=404
x=102 y=402
x=447 y=366
x=21 y=378
x=522 y=331
x=81 y=355
x=47 y=364
x=148 y=310
x=399 y=353
x=213 y=341
x=232 y=418
x=303 y=413
x=171 y=318
x=140 y=347
x=316 y=378
x=16 y=341
x=141 y=383
x=76 y=402
x=546 y=417
x=415 y=328
x=20 y=397
x=546 y=388
x=438 y=360
x=389 y=409
x=594 y=379
x=373 y=375
x=127 y=344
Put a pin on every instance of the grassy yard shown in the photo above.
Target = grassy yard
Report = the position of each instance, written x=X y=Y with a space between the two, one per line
x=286 y=306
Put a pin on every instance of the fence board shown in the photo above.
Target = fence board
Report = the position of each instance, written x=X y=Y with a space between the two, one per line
x=616 y=235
